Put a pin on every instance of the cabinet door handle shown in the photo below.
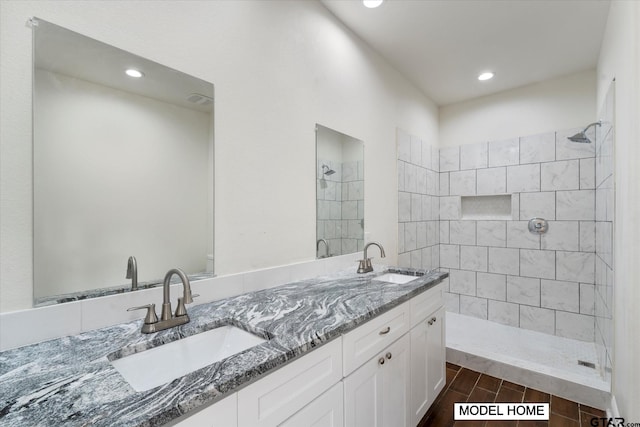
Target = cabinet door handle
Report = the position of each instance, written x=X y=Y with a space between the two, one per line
x=385 y=331
x=381 y=361
x=430 y=322
x=433 y=319
x=388 y=355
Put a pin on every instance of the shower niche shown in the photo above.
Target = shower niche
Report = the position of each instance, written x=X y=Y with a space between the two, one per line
x=486 y=207
x=339 y=193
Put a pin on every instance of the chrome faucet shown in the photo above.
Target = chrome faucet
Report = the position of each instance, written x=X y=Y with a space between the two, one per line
x=167 y=319
x=326 y=247
x=364 y=265
x=132 y=272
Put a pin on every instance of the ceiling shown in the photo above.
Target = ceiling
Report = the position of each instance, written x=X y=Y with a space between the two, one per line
x=443 y=45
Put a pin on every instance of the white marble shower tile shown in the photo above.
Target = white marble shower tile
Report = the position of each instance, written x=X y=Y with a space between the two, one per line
x=504 y=312
x=433 y=183
x=504 y=261
x=449 y=256
x=427 y=258
x=400 y=237
x=541 y=205
x=410 y=238
x=540 y=264
x=404 y=206
x=450 y=207
x=426 y=155
x=519 y=236
x=575 y=205
x=587 y=174
x=492 y=180
x=421 y=234
x=452 y=302
x=587 y=299
x=491 y=233
x=462 y=232
x=562 y=236
x=504 y=153
x=462 y=282
x=472 y=306
x=575 y=326
x=523 y=178
x=473 y=258
x=427 y=207
x=462 y=183
x=538 y=148
x=538 y=319
x=449 y=159
x=523 y=290
x=474 y=156
x=576 y=266
x=416 y=207
x=444 y=184
x=444 y=232
x=491 y=286
x=559 y=295
x=410 y=178
x=587 y=236
x=421 y=180
x=560 y=175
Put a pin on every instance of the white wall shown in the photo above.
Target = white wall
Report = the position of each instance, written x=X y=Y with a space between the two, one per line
x=279 y=67
x=561 y=103
x=619 y=59
x=117 y=174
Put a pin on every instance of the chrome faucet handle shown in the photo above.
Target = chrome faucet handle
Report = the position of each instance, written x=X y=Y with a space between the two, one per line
x=151 y=316
x=181 y=310
x=362 y=265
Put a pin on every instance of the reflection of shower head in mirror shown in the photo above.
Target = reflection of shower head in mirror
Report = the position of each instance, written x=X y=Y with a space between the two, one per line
x=327 y=172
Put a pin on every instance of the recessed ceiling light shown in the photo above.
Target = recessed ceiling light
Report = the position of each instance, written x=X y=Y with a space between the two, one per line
x=132 y=72
x=372 y=3
x=486 y=76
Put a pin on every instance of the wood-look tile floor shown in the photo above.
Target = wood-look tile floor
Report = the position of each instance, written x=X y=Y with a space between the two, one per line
x=464 y=385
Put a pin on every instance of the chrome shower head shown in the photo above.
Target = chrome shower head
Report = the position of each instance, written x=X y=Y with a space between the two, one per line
x=582 y=137
x=328 y=170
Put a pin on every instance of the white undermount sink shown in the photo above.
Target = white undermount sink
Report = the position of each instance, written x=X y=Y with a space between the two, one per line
x=396 y=278
x=162 y=364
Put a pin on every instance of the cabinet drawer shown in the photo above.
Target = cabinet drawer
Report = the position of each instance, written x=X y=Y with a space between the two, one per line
x=278 y=396
x=368 y=340
x=426 y=303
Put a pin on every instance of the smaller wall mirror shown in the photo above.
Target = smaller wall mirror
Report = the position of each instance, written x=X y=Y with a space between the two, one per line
x=339 y=193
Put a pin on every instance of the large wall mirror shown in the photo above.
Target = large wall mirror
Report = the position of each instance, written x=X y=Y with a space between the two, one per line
x=123 y=166
x=339 y=193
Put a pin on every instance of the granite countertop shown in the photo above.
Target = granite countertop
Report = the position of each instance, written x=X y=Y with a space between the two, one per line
x=69 y=381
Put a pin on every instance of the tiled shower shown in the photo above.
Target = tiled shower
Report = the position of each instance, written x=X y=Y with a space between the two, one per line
x=466 y=209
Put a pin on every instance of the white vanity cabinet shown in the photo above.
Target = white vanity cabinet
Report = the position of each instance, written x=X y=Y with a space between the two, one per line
x=377 y=393
x=427 y=351
x=385 y=373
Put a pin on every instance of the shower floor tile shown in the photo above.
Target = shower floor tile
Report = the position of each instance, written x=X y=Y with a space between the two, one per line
x=489 y=389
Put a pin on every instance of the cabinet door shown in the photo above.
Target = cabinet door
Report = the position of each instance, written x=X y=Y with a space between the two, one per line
x=377 y=394
x=325 y=411
x=220 y=414
x=363 y=396
x=436 y=354
x=396 y=384
x=420 y=396
x=427 y=363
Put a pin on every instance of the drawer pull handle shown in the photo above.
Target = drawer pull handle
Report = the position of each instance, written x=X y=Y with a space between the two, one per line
x=381 y=361
x=385 y=331
x=388 y=355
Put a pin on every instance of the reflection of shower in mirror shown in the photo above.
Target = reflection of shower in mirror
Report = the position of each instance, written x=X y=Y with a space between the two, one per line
x=327 y=172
